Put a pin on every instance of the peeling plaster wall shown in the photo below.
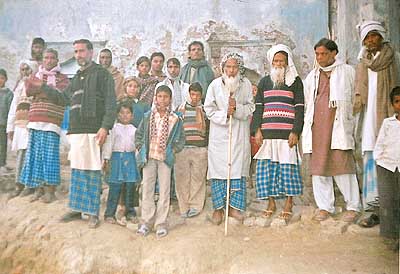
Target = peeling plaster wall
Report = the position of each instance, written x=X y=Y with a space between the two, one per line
x=135 y=28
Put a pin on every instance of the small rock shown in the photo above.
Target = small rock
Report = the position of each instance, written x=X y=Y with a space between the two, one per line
x=278 y=222
x=263 y=222
x=249 y=221
x=246 y=239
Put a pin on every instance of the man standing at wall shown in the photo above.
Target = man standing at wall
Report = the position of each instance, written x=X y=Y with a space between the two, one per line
x=91 y=95
x=197 y=69
x=328 y=132
x=377 y=73
x=105 y=59
x=229 y=95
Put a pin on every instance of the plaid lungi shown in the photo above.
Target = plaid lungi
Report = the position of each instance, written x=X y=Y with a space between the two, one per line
x=42 y=160
x=370 y=195
x=84 y=191
x=277 y=180
x=237 y=198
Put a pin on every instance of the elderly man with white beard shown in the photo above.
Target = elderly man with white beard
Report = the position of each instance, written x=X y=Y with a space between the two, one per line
x=278 y=122
x=229 y=95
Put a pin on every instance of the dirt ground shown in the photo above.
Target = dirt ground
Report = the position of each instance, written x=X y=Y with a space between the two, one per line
x=32 y=241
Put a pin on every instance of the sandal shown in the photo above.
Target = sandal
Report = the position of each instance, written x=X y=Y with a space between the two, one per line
x=321 y=215
x=286 y=216
x=350 y=216
x=370 y=221
x=143 y=230
x=267 y=213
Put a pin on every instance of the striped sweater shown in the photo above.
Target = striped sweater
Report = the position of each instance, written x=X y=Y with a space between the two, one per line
x=279 y=111
x=194 y=125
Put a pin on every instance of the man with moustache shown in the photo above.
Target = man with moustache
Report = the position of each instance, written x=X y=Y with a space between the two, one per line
x=91 y=95
x=229 y=95
x=328 y=132
x=278 y=122
x=105 y=59
x=37 y=48
x=197 y=69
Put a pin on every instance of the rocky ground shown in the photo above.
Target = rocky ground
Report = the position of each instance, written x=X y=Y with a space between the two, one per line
x=33 y=241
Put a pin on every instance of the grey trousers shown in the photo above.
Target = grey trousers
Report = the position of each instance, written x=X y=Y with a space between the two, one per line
x=389 y=199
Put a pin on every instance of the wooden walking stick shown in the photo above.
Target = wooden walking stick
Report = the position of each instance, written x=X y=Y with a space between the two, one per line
x=228 y=181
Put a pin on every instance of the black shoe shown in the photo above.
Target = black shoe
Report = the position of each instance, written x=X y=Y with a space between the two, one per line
x=71 y=216
x=93 y=221
x=370 y=221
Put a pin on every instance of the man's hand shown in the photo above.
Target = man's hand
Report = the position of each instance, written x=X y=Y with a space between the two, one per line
x=293 y=139
x=259 y=137
x=231 y=106
x=33 y=85
x=101 y=136
x=10 y=135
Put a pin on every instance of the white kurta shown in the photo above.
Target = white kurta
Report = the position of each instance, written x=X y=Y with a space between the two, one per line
x=216 y=107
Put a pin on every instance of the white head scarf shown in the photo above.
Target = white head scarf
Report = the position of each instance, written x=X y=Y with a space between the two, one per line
x=368 y=26
x=291 y=72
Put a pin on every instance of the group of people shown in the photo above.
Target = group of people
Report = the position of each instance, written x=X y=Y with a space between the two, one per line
x=171 y=132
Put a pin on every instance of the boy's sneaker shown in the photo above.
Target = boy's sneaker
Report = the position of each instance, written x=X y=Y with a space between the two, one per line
x=193 y=212
x=161 y=232
x=143 y=230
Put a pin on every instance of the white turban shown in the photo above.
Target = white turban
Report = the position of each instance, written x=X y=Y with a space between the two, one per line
x=368 y=26
x=291 y=72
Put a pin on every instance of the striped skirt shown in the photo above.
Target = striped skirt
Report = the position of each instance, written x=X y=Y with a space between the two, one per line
x=277 y=180
x=84 y=191
x=237 y=197
x=42 y=160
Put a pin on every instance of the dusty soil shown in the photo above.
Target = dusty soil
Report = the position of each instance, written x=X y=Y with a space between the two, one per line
x=33 y=241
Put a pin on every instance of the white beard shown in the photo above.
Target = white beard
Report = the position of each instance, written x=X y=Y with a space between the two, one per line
x=231 y=83
x=278 y=76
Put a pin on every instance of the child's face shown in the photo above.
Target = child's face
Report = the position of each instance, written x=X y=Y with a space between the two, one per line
x=143 y=68
x=163 y=100
x=3 y=81
x=125 y=116
x=195 y=97
x=254 y=90
x=132 y=89
x=396 y=103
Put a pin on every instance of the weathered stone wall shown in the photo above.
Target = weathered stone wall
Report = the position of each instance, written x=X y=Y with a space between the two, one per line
x=141 y=27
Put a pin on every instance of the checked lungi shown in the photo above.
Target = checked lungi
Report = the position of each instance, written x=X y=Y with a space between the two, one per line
x=237 y=198
x=84 y=191
x=277 y=180
x=42 y=160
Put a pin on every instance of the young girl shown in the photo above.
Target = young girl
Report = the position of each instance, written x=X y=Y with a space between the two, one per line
x=147 y=82
x=120 y=150
x=132 y=85
x=159 y=137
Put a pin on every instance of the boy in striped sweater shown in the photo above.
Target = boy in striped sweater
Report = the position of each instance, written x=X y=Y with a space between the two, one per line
x=191 y=163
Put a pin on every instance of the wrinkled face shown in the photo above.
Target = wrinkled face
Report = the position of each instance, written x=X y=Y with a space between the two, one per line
x=3 y=80
x=373 y=41
x=163 y=100
x=132 y=89
x=173 y=69
x=143 y=68
x=82 y=54
x=157 y=63
x=195 y=97
x=105 y=59
x=37 y=51
x=196 y=52
x=125 y=116
x=49 y=60
x=231 y=68
x=279 y=60
x=396 y=103
x=324 y=56
x=25 y=70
